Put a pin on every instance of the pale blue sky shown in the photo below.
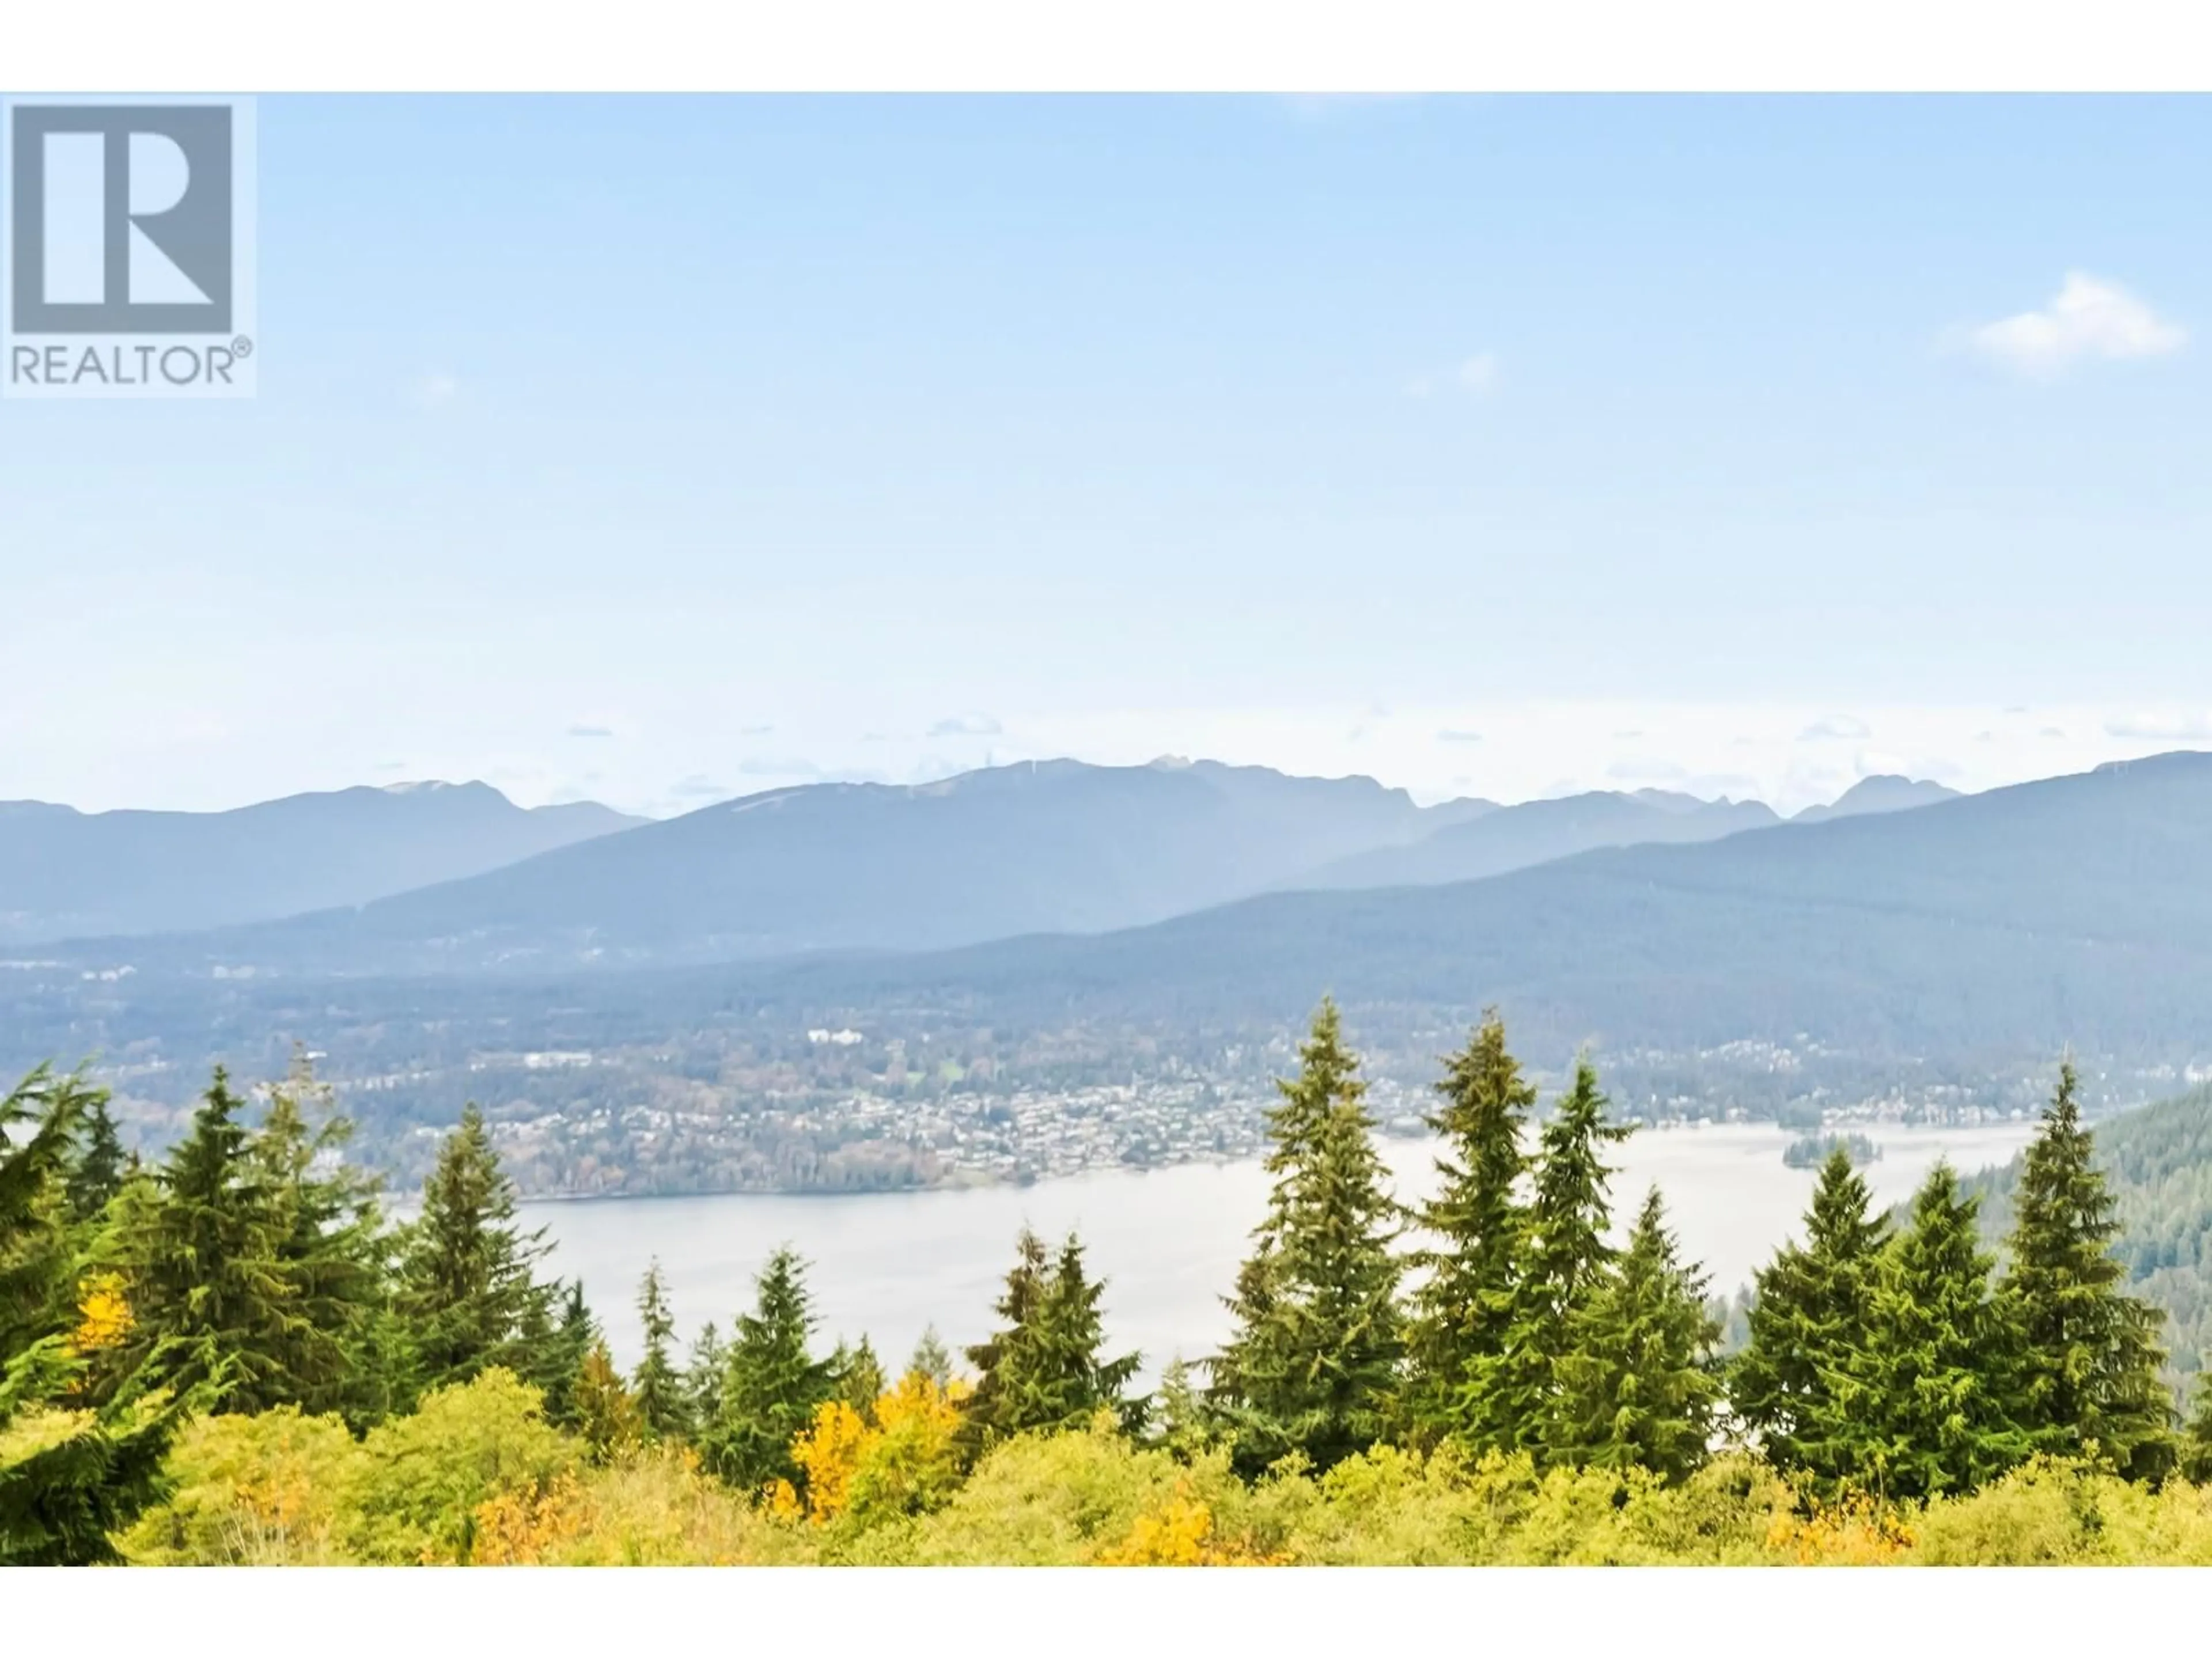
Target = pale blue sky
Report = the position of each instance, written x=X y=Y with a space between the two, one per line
x=786 y=437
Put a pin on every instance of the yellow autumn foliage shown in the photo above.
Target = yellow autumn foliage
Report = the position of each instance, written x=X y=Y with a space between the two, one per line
x=1180 y=1533
x=827 y=1455
x=104 y=1316
x=523 y=1528
x=475 y=1475
x=901 y=1463
x=1856 y=1533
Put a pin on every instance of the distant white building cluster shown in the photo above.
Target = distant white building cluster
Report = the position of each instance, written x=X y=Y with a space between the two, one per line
x=842 y=1039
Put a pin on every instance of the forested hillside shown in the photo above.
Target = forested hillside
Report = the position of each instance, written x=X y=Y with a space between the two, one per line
x=2159 y=1160
x=234 y=1356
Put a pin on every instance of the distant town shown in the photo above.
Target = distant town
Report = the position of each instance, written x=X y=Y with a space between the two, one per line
x=623 y=1122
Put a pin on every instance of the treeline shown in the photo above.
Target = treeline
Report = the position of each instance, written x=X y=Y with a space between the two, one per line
x=2159 y=1161
x=239 y=1334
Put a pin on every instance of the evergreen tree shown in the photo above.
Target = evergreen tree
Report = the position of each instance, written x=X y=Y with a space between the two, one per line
x=1180 y=1422
x=1008 y=1387
x=770 y=1382
x=203 y=1260
x=1043 y=1370
x=607 y=1413
x=331 y=1250
x=662 y=1408
x=1564 y=1256
x=1462 y=1312
x=1312 y=1362
x=553 y=1353
x=68 y=1477
x=2196 y=1456
x=468 y=1288
x=2090 y=1359
x=96 y=1176
x=1925 y=1408
x=702 y=1377
x=1638 y=1385
x=931 y=1359
x=1809 y=1320
x=861 y=1380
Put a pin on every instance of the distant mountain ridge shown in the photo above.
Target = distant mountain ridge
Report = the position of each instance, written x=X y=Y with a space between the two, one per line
x=70 y=874
x=1884 y=792
x=1048 y=846
x=2072 y=909
x=1051 y=847
x=1536 y=832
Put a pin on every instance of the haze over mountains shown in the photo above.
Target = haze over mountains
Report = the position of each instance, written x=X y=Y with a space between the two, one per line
x=2071 y=909
x=65 y=874
x=1130 y=915
x=1514 y=837
x=1049 y=847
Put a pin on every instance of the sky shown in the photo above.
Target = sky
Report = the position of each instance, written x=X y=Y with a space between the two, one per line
x=662 y=450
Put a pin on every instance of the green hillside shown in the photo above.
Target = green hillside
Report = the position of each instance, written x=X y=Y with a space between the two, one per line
x=2160 y=1160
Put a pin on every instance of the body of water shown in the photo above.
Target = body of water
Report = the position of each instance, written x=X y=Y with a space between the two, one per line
x=1167 y=1241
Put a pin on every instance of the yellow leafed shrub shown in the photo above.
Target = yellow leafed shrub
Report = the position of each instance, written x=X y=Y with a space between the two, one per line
x=104 y=1316
x=522 y=1528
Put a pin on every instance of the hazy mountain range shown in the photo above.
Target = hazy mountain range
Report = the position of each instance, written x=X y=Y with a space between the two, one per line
x=455 y=876
x=1180 y=903
x=65 y=874
x=2071 y=909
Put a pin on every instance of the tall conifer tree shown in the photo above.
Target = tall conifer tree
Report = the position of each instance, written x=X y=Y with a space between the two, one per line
x=97 y=1173
x=1927 y=1406
x=771 y=1382
x=657 y=1386
x=1081 y=1381
x=203 y=1260
x=1043 y=1369
x=557 y=1335
x=2090 y=1359
x=469 y=1288
x=1312 y=1366
x=999 y=1359
x=75 y=1476
x=331 y=1247
x=702 y=1376
x=1462 y=1312
x=1564 y=1255
x=860 y=1379
x=1638 y=1385
x=1810 y=1320
x=932 y=1358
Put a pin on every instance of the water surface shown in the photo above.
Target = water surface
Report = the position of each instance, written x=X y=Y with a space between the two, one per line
x=1168 y=1241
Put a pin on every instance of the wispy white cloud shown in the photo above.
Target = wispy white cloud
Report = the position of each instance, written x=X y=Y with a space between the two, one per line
x=1479 y=373
x=966 y=725
x=778 y=766
x=2088 y=319
x=1878 y=764
x=590 y=732
x=2165 y=727
x=1458 y=734
x=436 y=389
x=1476 y=376
x=1844 y=727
